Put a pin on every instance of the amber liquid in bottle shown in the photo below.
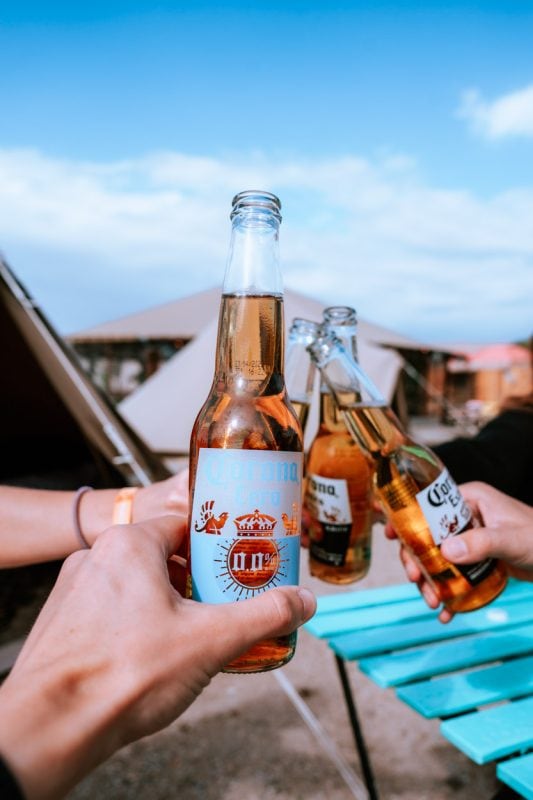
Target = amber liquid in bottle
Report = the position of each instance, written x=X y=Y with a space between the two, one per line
x=403 y=469
x=248 y=409
x=338 y=553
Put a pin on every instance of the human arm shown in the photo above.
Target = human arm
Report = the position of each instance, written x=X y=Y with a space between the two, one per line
x=37 y=525
x=501 y=454
x=117 y=653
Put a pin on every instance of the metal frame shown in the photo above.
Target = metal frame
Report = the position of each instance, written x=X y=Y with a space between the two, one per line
x=360 y=743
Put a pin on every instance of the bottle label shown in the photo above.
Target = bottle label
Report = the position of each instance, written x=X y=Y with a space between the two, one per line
x=329 y=503
x=245 y=523
x=447 y=514
x=443 y=506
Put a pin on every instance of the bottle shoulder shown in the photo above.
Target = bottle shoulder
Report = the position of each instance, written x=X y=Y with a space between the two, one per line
x=267 y=422
x=337 y=455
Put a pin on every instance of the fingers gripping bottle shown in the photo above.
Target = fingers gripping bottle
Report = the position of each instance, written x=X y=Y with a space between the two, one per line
x=246 y=457
x=418 y=495
x=339 y=480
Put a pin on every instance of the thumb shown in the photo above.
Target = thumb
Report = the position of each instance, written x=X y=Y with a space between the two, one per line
x=511 y=544
x=276 y=612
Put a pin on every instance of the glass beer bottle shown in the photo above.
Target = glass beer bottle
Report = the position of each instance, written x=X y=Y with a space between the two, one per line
x=338 y=494
x=418 y=495
x=300 y=370
x=246 y=457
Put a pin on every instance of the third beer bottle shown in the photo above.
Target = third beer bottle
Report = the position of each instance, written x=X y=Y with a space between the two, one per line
x=246 y=457
x=418 y=495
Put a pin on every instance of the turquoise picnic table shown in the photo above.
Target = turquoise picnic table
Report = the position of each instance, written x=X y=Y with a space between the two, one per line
x=475 y=673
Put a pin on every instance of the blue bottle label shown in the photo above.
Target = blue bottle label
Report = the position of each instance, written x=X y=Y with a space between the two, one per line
x=245 y=523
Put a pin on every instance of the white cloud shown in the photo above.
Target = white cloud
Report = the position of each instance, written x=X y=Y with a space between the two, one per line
x=508 y=115
x=116 y=236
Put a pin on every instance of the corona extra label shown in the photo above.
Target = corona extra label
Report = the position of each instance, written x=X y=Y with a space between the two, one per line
x=245 y=523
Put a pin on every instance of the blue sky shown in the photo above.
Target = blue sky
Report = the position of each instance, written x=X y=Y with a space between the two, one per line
x=399 y=138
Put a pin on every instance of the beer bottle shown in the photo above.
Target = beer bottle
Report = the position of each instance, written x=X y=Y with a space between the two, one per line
x=418 y=495
x=299 y=368
x=246 y=444
x=338 y=481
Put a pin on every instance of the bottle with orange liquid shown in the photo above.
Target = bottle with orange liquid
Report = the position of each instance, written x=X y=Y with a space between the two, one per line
x=338 y=481
x=418 y=495
x=246 y=458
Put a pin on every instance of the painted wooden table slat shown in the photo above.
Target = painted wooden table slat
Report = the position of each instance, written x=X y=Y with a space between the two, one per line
x=518 y=774
x=493 y=732
x=464 y=691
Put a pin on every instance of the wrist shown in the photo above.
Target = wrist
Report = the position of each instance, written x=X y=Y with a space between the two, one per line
x=100 y=509
x=95 y=513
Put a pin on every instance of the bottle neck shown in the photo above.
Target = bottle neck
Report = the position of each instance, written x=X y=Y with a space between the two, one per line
x=299 y=369
x=331 y=418
x=250 y=344
x=253 y=265
x=365 y=412
x=376 y=430
x=251 y=329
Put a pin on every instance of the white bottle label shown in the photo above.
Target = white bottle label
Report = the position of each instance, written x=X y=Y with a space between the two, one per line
x=245 y=523
x=444 y=508
x=328 y=499
x=328 y=502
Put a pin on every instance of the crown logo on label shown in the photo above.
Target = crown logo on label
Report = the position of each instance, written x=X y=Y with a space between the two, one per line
x=255 y=524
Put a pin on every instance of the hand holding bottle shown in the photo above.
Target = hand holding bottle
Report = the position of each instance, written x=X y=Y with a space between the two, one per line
x=117 y=653
x=506 y=533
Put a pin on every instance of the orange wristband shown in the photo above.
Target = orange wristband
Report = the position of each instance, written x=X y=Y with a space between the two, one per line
x=123 y=506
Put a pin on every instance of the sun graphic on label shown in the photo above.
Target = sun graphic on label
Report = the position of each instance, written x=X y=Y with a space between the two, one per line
x=254 y=560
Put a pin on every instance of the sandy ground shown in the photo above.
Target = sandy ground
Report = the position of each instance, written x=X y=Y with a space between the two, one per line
x=243 y=738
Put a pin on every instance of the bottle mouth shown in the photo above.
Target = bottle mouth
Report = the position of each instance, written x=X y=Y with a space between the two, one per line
x=255 y=200
x=340 y=315
x=305 y=327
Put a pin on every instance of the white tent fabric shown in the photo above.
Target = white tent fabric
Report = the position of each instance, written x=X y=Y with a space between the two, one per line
x=186 y=318
x=163 y=409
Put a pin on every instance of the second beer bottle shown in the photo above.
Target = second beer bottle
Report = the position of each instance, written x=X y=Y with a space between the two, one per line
x=418 y=495
x=246 y=458
x=339 y=481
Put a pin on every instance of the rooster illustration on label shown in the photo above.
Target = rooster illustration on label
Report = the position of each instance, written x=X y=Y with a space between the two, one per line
x=208 y=522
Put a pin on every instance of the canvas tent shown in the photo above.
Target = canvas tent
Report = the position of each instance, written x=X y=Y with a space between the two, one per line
x=163 y=408
x=187 y=317
x=184 y=318
x=57 y=430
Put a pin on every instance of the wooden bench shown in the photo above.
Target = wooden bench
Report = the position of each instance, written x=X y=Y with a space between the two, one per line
x=476 y=673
